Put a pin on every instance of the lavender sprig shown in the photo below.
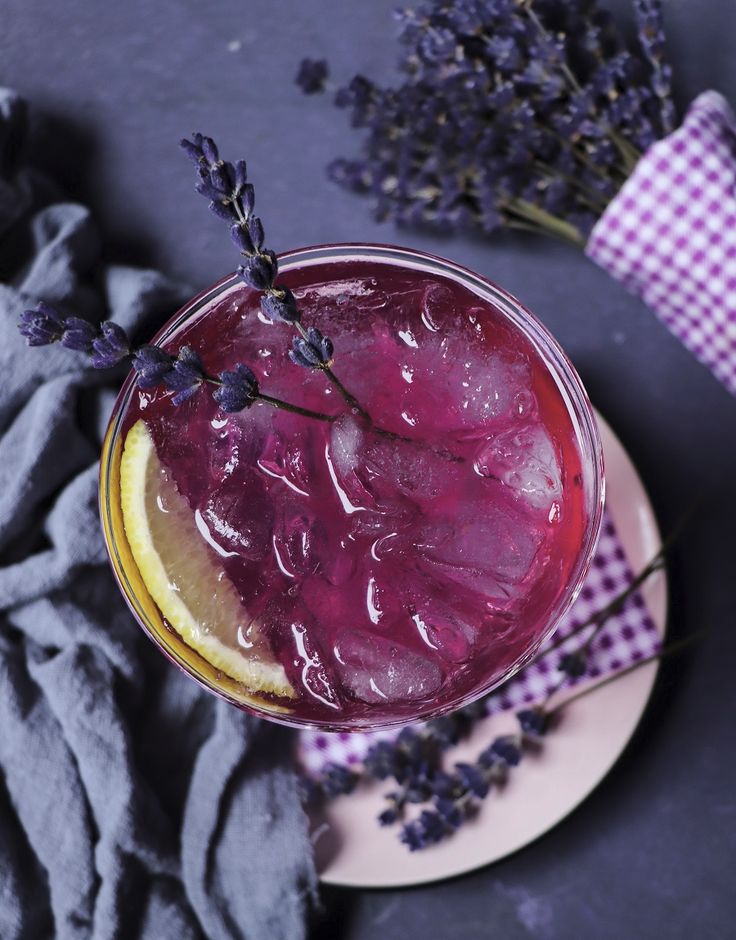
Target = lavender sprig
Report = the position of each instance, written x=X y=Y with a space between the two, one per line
x=311 y=351
x=516 y=113
x=184 y=374
x=650 y=28
x=414 y=761
x=312 y=75
x=232 y=198
x=457 y=797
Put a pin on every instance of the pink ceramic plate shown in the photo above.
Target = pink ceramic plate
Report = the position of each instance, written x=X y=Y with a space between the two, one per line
x=353 y=851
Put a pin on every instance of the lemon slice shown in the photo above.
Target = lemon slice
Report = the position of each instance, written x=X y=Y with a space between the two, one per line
x=190 y=589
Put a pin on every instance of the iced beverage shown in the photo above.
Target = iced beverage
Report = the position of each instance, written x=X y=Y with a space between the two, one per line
x=359 y=571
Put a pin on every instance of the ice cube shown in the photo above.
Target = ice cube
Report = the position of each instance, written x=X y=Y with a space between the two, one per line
x=315 y=675
x=418 y=470
x=493 y=388
x=287 y=460
x=299 y=541
x=233 y=442
x=443 y=629
x=377 y=670
x=524 y=460
x=464 y=385
x=385 y=596
x=492 y=541
x=355 y=459
x=436 y=301
x=474 y=584
x=343 y=456
x=237 y=518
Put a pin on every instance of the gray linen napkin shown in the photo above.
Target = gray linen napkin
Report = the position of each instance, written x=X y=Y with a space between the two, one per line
x=132 y=804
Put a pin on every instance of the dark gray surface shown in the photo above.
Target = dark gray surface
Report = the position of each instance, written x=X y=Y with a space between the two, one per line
x=650 y=854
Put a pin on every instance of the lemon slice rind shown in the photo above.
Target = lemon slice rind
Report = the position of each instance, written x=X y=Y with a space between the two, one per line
x=184 y=550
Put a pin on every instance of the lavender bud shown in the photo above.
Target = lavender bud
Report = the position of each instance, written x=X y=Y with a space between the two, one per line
x=255 y=229
x=248 y=199
x=534 y=721
x=573 y=664
x=312 y=75
x=412 y=835
x=222 y=178
x=472 y=779
x=111 y=347
x=79 y=334
x=209 y=150
x=381 y=761
x=242 y=239
x=338 y=780
x=41 y=325
x=152 y=365
x=280 y=306
x=192 y=148
x=443 y=784
x=314 y=352
x=506 y=750
x=205 y=187
x=241 y=174
x=185 y=375
x=239 y=389
x=389 y=816
x=431 y=827
x=449 y=813
x=224 y=210
x=259 y=270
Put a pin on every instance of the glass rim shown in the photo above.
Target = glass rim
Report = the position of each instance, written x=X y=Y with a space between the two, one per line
x=556 y=360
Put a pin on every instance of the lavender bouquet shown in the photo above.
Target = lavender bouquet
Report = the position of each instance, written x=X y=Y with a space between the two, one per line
x=536 y=115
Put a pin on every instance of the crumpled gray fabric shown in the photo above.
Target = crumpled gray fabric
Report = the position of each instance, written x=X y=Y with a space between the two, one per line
x=132 y=803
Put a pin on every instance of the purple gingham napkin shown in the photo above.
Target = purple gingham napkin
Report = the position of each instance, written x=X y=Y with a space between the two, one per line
x=627 y=638
x=670 y=234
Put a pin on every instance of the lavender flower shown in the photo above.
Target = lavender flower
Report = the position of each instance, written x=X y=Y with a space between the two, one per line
x=504 y=751
x=651 y=37
x=472 y=779
x=313 y=351
x=414 y=758
x=79 y=335
x=238 y=389
x=338 y=780
x=448 y=729
x=428 y=829
x=389 y=816
x=185 y=375
x=533 y=721
x=152 y=364
x=41 y=325
x=280 y=304
x=574 y=664
x=522 y=114
x=232 y=199
x=382 y=761
x=450 y=813
x=312 y=75
x=259 y=270
x=108 y=343
x=110 y=347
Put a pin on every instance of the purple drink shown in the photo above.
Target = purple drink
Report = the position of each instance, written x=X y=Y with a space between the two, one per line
x=398 y=566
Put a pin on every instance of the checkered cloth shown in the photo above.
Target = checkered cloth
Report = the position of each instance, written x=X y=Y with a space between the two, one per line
x=627 y=638
x=670 y=234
